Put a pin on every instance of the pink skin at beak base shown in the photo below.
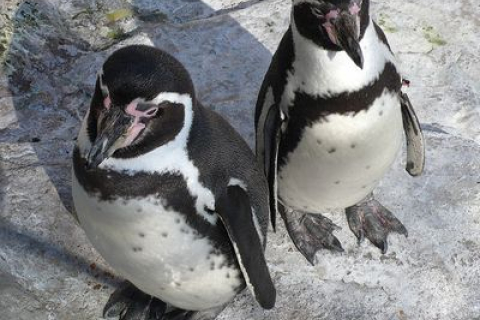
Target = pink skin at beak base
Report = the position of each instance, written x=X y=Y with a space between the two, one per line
x=332 y=34
x=354 y=10
x=136 y=127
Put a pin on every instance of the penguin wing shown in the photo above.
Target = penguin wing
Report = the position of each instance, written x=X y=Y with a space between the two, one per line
x=270 y=118
x=234 y=209
x=415 y=140
x=272 y=136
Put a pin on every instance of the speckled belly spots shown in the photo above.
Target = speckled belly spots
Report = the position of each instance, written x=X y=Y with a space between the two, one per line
x=158 y=251
x=354 y=152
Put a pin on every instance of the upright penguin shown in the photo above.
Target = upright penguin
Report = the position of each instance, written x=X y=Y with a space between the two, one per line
x=329 y=121
x=161 y=197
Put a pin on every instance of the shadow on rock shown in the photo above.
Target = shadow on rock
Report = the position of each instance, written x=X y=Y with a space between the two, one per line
x=51 y=87
x=36 y=250
x=41 y=48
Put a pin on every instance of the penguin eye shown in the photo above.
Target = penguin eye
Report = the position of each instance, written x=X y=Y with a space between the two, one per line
x=161 y=106
x=151 y=112
x=317 y=12
x=148 y=110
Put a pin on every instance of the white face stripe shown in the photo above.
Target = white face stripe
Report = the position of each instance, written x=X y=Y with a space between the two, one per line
x=174 y=97
x=320 y=72
x=180 y=141
x=173 y=158
x=237 y=182
x=84 y=142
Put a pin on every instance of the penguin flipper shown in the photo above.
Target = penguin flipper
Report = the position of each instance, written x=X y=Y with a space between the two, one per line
x=415 y=140
x=234 y=209
x=272 y=136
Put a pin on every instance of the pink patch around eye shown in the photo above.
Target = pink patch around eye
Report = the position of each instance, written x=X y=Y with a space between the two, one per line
x=332 y=14
x=354 y=9
x=132 y=109
x=107 y=102
x=133 y=132
x=329 y=27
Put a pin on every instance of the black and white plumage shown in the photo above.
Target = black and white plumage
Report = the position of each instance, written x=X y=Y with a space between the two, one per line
x=168 y=193
x=329 y=123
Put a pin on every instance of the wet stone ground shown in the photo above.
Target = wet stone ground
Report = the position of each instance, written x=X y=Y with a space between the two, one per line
x=50 y=52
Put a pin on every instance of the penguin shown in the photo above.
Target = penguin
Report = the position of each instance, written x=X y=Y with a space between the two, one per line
x=329 y=120
x=168 y=193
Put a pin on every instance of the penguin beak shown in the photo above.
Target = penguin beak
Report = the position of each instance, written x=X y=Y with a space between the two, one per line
x=112 y=127
x=348 y=31
x=344 y=30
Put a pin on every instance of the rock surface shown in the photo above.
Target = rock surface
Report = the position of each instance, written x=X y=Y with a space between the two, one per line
x=50 y=52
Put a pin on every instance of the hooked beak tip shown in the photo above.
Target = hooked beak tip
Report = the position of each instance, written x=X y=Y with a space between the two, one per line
x=96 y=155
x=347 y=37
x=358 y=59
x=92 y=165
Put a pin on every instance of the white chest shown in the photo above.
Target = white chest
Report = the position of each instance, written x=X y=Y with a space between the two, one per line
x=154 y=248
x=339 y=161
x=327 y=73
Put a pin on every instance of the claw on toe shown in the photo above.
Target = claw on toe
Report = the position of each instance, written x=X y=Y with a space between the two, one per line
x=375 y=222
x=129 y=303
x=311 y=233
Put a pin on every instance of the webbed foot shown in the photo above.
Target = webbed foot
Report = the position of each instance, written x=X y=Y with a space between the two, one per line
x=179 y=314
x=310 y=232
x=370 y=219
x=129 y=303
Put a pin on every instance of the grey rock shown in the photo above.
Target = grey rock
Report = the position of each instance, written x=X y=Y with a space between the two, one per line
x=50 y=52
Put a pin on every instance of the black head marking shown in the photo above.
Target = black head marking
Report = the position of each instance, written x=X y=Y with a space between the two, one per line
x=131 y=77
x=144 y=71
x=310 y=16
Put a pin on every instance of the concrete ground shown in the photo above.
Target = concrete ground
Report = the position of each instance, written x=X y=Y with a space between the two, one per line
x=50 y=52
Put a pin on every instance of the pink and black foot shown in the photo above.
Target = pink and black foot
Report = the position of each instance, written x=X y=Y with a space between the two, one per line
x=310 y=232
x=375 y=222
x=129 y=303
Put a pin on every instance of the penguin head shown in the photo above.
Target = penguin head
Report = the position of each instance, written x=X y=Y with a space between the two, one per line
x=333 y=24
x=141 y=100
